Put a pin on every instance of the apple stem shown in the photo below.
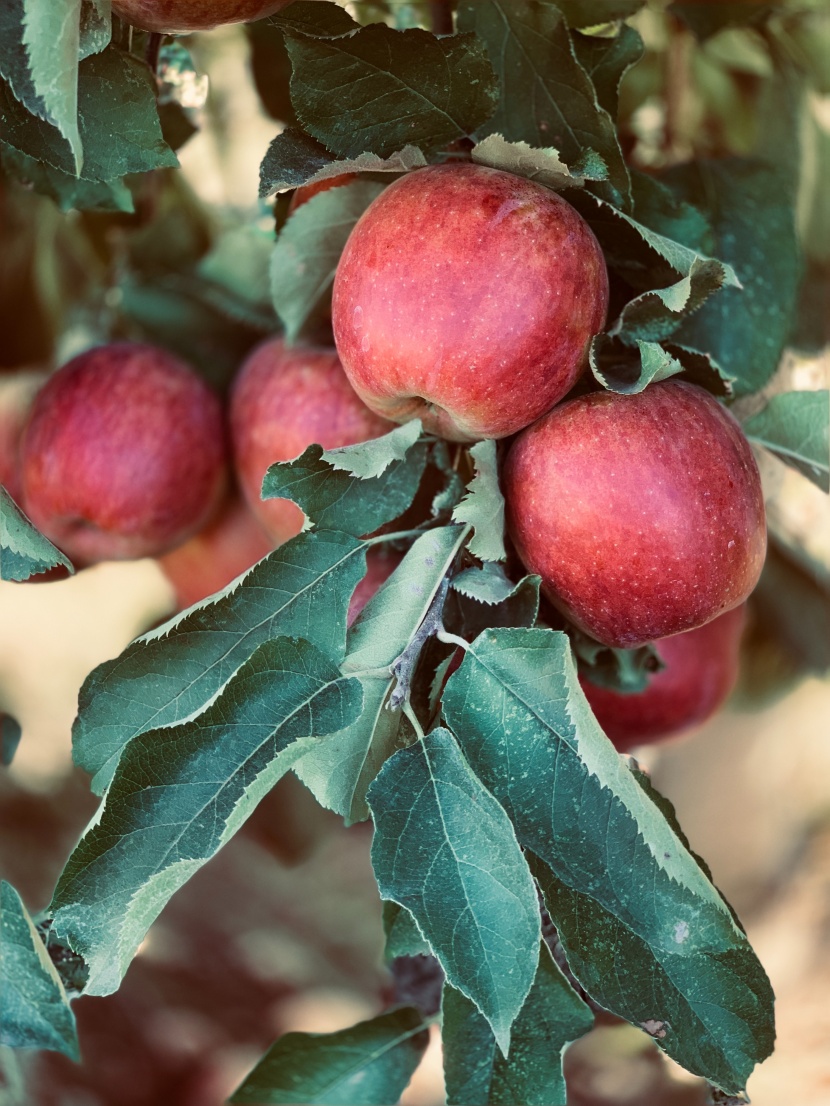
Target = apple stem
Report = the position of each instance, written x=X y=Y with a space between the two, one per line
x=413 y=720
x=452 y=639
x=151 y=54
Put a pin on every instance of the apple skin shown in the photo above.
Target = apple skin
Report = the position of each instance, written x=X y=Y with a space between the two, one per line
x=467 y=297
x=17 y=394
x=307 y=192
x=124 y=455
x=209 y=561
x=284 y=399
x=701 y=668
x=643 y=514
x=172 y=16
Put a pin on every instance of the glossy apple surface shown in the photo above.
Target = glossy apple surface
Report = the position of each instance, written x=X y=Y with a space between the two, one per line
x=284 y=400
x=642 y=514
x=467 y=297
x=17 y=394
x=701 y=667
x=209 y=561
x=124 y=454
x=170 y=16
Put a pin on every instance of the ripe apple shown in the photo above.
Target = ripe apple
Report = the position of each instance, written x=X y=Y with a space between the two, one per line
x=225 y=549
x=467 y=297
x=284 y=400
x=172 y=16
x=701 y=667
x=17 y=393
x=124 y=454
x=642 y=514
x=306 y=191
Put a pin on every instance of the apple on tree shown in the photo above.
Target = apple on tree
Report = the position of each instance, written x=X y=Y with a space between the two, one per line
x=211 y=559
x=642 y=514
x=124 y=455
x=171 y=16
x=467 y=297
x=284 y=400
x=701 y=667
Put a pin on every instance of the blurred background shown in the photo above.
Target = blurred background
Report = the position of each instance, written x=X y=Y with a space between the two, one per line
x=282 y=930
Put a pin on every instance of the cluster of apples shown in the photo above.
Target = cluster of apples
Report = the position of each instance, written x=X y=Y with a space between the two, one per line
x=466 y=297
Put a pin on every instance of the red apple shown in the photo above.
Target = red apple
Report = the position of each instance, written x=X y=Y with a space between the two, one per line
x=171 y=16
x=467 y=297
x=284 y=400
x=208 y=562
x=17 y=394
x=701 y=667
x=124 y=455
x=306 y=191
x=380 y=564
x=642 y=514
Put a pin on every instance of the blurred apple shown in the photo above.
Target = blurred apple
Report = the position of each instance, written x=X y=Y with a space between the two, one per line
x=124 y=455
x=284 y=400
x=208 y=562
x=306 y=191
x=701 y=667
x=643 y=514
x=467 y=297
x=17 y=393
x=170 y=16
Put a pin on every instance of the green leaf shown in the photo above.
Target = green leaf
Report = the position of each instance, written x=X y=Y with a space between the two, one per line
x=645 y=932
x=309 y=247
x=477 y=1073
x=591 y=13
x=35 y=1011
x=791 y=608
x=378 y=89
x=483 y=505
x=316 y=19
x=628 y=371
x=10 y=734
x=24 y=551
x=340 y=770
x=304 y=587
x=295 y=158
x=95 y=26
x=39 y=51
x=179 y=793
x=467 y=615
x=489 y=584
x=369 y=1064
x=333 y=500
x=544 y=166
x=745 y=329
x=67 y=191
x=119 y=123
x=444 y=849
x=547 y=98
x=403 y=938
x=607 y=60
x=795 y=426
x=369 y=460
